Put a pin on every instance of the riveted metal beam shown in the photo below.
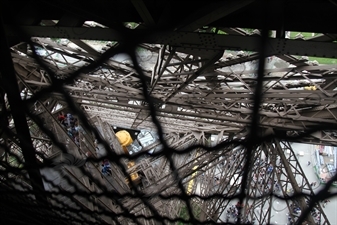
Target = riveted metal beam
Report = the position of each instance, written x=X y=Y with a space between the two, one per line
x=210 y=42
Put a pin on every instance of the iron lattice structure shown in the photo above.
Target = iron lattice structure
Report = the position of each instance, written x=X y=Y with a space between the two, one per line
x=190 y=79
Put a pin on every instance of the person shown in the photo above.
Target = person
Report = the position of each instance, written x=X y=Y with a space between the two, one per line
x=61 y=117
x=106 y=168
x=70 y=133
x=70 y=120
x=106 y=171
x=309 y=163
x=239 y=205
x=78 y=128
x=270 y=169
x=77 y=139
x=325 y=202
x=217 y=180
x=277 y=187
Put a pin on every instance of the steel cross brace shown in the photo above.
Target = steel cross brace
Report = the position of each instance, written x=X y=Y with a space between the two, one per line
x=296 y=179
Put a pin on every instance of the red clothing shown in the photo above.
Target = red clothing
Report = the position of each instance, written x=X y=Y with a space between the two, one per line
x=61 y=118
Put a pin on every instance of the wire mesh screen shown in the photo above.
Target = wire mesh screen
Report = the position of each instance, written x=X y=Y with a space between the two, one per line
x=62 y=162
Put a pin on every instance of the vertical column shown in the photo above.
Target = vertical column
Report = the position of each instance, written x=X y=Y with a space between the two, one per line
x=13 y=94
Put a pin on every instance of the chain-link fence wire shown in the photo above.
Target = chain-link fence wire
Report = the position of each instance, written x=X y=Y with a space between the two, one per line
x=24 y=200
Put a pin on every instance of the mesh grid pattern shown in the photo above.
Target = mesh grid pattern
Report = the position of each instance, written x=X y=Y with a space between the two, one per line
x=82 y=195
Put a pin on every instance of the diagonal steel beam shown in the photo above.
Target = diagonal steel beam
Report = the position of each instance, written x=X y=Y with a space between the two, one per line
x=13 y=94
x=209 y=63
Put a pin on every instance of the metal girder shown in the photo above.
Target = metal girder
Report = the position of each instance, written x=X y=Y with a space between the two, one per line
x=238 y=60
x=93 y=53
x=293 y=180
x=288 y=120
x=84 y=181
x=287 y=58
x=222 y=176
x=324 y=69
x=85 y=142
x=211 y=13
x=75 y=179
x=144 y=12
x=158 y=182
x=193 y=76
x=160 y=66
x=211 y=42
x=283 y=108
x=185 y=117
x=217 y=115
x=292 y=59
x=203 y=93
x=261 y=184
x=170 y=123
x=10 y=86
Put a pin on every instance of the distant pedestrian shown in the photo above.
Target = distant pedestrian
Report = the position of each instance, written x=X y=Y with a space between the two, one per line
x=308 y=163
x=106 y=168
x=61 y=117
x=325 y=202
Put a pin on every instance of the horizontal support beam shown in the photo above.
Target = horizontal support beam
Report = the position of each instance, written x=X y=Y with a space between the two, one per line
x=204 y=112
x=207 y=41
x=214 y=118
x=114 y=112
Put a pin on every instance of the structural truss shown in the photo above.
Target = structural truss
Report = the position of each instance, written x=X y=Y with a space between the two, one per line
x=225 y=95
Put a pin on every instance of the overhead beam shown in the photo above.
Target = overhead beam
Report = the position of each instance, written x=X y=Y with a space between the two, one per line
x=211 y=42
x=212 y=13
x=144 y=12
